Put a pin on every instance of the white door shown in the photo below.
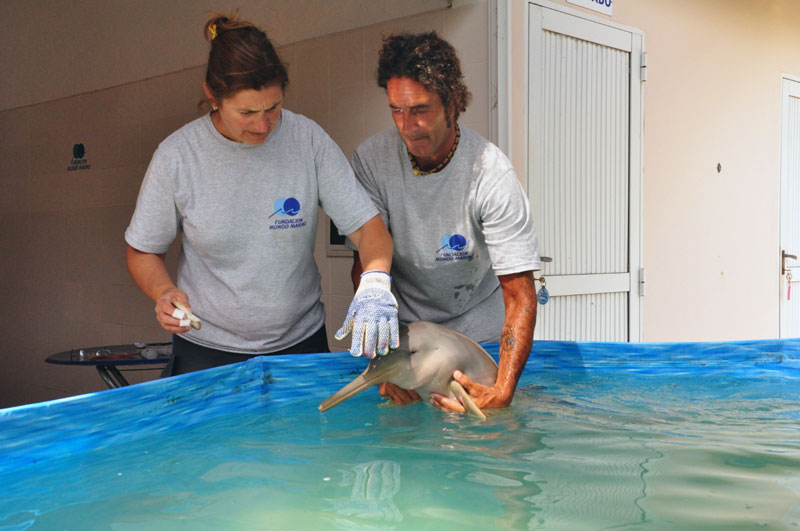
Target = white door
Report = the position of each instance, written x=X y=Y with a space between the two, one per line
x=585 y=172
x=790 y=209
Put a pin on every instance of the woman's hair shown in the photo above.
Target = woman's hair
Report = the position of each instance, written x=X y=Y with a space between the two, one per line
x=241 y=57
x=427 y=59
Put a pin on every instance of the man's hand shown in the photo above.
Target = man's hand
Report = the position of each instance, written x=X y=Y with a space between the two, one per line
x=516 y=339
x=398 y=395
x=483 y=395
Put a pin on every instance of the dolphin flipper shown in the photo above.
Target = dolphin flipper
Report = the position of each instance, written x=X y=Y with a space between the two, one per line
x=464 y=397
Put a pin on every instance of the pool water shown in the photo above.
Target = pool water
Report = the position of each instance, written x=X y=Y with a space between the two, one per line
x=598 y=437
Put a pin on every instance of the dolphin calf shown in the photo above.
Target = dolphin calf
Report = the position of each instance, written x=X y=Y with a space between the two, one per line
x=425 y=360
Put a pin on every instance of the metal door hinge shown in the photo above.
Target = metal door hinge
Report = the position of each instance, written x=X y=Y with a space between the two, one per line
x=643 y=67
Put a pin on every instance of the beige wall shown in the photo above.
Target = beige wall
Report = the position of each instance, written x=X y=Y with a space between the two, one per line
x=710 y=244
x=50 y=50
x=63 y=279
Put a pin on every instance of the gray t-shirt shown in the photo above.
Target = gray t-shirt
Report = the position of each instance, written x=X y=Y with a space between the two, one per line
x=454 y=231
x=248 y=218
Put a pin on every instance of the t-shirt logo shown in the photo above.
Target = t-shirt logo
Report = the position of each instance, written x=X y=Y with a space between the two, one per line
x=286 y=209
x=453 y=247
x=286 y=206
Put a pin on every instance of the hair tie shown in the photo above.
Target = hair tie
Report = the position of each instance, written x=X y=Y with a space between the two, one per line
x=213 y=30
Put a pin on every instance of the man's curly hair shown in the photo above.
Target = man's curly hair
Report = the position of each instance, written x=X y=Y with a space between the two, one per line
x=427 y=59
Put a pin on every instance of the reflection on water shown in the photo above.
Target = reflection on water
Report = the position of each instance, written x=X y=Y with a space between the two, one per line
x=374 y=487
x=597 y=451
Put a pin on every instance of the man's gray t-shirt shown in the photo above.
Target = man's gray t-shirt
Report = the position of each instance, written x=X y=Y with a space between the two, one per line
x=248 y=218
x=454 y=231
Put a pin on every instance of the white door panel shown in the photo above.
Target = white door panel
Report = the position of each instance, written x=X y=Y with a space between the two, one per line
x=565 y=285
x=584 y=173
x=586 y=30
x=790 y=208
x=593 y=317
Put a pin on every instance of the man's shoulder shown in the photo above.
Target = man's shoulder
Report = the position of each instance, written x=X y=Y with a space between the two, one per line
x=471 y=138
x=483 y=151
x=379 y=143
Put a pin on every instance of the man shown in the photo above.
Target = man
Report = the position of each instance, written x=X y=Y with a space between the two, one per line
x=464 y=243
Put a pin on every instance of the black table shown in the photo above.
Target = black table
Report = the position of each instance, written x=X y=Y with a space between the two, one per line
x=107 y=359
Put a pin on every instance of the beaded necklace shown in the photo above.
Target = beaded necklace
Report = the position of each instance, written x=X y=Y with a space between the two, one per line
x=441 y=165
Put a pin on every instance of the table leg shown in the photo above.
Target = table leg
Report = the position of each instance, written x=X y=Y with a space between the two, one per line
x=111 y=376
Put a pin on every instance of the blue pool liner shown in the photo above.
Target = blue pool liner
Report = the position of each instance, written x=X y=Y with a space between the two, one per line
x=38 y=432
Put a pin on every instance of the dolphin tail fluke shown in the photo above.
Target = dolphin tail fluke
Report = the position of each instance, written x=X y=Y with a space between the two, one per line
x=464 y=397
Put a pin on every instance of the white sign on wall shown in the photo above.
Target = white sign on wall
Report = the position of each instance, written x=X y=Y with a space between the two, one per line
x=601 y=6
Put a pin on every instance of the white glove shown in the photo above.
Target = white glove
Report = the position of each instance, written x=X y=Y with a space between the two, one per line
x=372 y=317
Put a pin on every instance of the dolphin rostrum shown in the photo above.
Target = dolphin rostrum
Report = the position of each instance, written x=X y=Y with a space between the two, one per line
x=425 y=360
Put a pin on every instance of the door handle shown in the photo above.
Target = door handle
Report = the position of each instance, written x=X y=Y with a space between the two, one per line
x=545 y=259
x=784 y=256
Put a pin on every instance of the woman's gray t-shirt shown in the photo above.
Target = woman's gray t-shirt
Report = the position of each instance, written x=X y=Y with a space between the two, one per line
x=248 y=222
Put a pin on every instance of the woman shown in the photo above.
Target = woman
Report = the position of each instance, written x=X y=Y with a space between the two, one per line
x=242 y=185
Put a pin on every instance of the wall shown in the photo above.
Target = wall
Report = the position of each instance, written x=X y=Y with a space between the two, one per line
x=62 y=276
x=710 y=244
x=52 y=50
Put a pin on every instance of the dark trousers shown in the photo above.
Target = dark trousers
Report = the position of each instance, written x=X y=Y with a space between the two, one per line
x=189 y=357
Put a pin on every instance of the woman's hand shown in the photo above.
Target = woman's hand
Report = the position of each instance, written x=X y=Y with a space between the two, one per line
x=168 y=316
x=150 y=274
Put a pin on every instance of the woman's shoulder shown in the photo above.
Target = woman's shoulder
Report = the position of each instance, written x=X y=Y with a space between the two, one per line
x=299 y=129
x=300 y=123
x=190 y=134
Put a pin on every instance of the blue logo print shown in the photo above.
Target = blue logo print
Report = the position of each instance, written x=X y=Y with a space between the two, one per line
x=286 y=206
x=453 y=248
x=287 y=209
x=456 y=242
